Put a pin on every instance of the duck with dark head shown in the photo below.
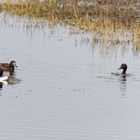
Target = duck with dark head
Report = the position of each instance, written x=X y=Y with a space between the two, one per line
x=10 y=67
x=124 y=69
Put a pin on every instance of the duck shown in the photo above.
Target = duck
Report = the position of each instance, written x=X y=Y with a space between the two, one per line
x=10 y=67
x=124 y=69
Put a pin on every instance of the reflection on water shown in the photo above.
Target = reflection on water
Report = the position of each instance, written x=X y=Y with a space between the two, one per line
x=120 y=80
x=123 y=85
x=1 y=85
x=104 y=38
x=12 y=80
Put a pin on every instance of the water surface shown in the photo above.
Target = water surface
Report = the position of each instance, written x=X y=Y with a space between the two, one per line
x=66 y=90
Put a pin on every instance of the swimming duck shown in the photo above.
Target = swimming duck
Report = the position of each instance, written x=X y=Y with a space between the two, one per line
x=8 y=66
x=124 y=69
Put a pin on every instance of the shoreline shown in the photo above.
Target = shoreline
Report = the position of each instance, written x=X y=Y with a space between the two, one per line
x=83 y=16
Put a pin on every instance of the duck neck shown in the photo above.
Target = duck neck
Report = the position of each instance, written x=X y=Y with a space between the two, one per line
x=124 y=71
x=11 y=65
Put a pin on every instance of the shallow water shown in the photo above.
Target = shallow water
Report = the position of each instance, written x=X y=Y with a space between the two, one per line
x=66 y=90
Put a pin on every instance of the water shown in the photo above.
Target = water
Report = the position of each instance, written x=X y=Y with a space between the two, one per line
x=66 y=90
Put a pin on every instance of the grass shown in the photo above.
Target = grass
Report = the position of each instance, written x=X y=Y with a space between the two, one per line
x=98 y=16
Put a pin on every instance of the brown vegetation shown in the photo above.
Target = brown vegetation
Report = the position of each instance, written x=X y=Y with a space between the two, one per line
x=103 y=14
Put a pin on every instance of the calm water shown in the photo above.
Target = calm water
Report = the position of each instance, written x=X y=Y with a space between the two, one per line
x=66 y=90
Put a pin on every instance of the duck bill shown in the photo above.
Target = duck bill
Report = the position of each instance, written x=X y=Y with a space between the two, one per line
x=119 y=68
x=15 y=65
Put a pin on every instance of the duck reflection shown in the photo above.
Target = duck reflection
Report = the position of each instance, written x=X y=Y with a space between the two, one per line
x=123 y=85
x=1 y=85
x=122 y=78
x=12 y=80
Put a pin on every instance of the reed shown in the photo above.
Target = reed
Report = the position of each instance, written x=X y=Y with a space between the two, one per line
x=98 y=14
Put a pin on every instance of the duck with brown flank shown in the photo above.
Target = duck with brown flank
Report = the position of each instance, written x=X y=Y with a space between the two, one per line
x=10 y=67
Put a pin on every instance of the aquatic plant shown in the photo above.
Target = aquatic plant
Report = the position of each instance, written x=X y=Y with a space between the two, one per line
x=97 y=15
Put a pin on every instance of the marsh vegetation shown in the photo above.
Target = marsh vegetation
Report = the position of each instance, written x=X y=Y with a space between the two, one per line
x=101 y=16
x=87 y=15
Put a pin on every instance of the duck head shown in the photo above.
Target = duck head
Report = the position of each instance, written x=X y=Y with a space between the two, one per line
x=124 y=68
x=13 y=63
